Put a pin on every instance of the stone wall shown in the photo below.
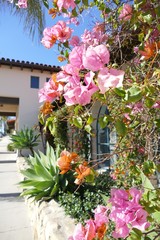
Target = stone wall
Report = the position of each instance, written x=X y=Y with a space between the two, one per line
x=48 y=218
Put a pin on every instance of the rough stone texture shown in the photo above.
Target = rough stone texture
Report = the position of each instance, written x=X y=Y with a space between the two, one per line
x=47 y=218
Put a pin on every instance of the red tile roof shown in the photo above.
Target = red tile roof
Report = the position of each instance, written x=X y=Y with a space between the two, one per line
x=29 y=65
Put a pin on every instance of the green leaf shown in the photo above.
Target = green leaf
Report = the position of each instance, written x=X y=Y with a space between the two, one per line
x=77 y=121
x=32 y=192
x=133 y=94
x=147 y=18
x=156 y=217
x=146 y=183
x=121 y=128
x=120 y=92
x=149 y=102
x=74 y=12
x=157 y=10
x=103 y=121
x=30 y=174
x=116 y=2
x=135 y=234
x=43 y=172
x=141 y=37
x=90 y=120
x=54 y=190
x=105 y=198
x=39 y=185
x=85 y=2
x=149 y=167
x=157 y=122
x=88 y=128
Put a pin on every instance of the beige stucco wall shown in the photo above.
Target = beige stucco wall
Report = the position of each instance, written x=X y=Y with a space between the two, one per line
x=15 y=82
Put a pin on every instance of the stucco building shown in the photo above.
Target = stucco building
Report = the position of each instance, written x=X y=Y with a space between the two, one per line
x=19 y=85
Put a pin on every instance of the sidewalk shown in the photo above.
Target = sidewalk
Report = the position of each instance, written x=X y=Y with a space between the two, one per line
x=14 y=219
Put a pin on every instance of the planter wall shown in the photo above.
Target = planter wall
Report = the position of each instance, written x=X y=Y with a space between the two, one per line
x=47 y=218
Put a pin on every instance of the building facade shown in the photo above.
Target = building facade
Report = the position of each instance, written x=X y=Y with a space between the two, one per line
x=19 y=85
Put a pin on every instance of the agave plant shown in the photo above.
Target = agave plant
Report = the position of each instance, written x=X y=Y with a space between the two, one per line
x=42 y=178
x=25 y=139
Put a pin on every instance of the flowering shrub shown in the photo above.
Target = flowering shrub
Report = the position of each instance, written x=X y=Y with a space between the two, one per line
x=124 y=212
x=115 y=63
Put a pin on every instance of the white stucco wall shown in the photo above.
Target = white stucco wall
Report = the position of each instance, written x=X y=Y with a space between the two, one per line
x=15 y=82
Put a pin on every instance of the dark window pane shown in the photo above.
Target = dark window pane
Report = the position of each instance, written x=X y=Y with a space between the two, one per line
x=34 y=82
x=47 y=79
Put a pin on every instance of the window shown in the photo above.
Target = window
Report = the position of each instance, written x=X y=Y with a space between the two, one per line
x=106 y=140
x=34 y=82
x=47 y=79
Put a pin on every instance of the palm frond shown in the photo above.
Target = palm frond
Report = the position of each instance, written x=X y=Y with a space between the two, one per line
x=33 y=17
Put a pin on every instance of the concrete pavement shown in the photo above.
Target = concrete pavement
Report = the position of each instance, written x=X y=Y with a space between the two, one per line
x=14 y=219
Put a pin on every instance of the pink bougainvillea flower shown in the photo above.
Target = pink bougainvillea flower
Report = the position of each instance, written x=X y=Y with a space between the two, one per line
x=140 y=220
x=135 y=194
x=70 y=76
x=119 y=197
x=137 y=108
x=94 y=37
x=126 y=212
x=77 y=93
x=74 y=41
x=61 y=31
x=69 y=73
x=73 y=20
x=121 y=230
x=79 y=233
x=90 y=85
x=52 y=90
x=58 y=32
x=126 y=12
x=75 y=57
x=70 y=69
x=86 y=232
x=90 y=230
x=156 y=105
x=100 y=215
x=109 y=78
x=94 y=58
x=22 y=3
x=49 y=38
x=66 y=4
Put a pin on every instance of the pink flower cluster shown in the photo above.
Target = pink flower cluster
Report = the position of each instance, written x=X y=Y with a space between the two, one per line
x=89 y=58
x=51 y=91
x=126 y=212
x=126 y=12
x=93 y=228
x=93 y=59
x=96 y=36
x=59 y=32
x=66 y=4
x=22 y=3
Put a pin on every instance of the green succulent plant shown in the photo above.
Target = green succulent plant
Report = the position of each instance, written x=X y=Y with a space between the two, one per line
x=42 y=177
x=25 y=139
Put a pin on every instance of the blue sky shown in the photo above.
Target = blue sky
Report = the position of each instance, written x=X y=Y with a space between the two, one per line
x=16 y=44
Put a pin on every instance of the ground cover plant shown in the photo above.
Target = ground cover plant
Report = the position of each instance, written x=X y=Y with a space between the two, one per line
x=114 y=62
